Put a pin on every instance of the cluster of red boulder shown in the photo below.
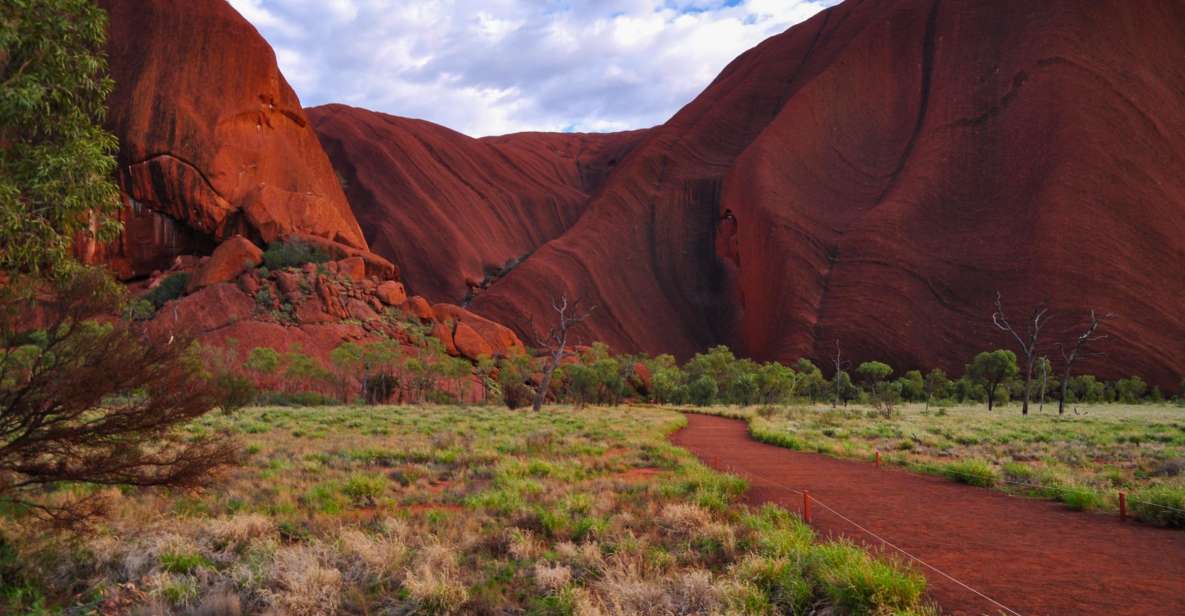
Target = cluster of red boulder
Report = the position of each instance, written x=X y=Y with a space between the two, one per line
x=316 y=306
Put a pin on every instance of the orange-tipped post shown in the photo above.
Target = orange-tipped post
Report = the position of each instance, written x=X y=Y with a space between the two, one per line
x=878 y=458
x=806 y=506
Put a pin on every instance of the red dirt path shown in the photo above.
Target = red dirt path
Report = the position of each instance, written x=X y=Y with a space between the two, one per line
x=1035 y=556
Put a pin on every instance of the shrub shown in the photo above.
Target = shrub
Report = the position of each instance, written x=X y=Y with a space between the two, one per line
x=79 y=397
x=365 y=489
x=139 y=309
x=381 y=387
x=780 y=582
x=234 y=391
x=183 y=563
x=1160 y=505
x=702 y=391
x=1081 y=499
x=169 y=289
x=971 y=472
x=859 y=584
x=280 y=255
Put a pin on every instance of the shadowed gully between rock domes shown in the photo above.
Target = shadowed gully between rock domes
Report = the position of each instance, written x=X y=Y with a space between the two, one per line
x=456 y=213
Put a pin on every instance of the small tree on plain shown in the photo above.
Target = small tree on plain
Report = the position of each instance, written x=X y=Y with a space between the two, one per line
x=874 y=374
x=568 y=316
x=1027 y=341
x=992 y=368
x=937 y=383
x=1077 y=349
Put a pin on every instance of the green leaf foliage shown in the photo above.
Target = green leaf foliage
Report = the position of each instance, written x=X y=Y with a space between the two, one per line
x=57 y=162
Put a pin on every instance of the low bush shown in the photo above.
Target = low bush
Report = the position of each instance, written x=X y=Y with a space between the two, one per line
x=856 y=583
x=169 y=289
x=184 y=563
x=1082 y=499
x=365 y=488
x=972 y=472
x=1160 y=505
x=280 y=255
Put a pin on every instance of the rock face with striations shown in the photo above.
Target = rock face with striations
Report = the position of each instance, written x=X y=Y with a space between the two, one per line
x=213 y=141
x=455 y=213
x=876 y=174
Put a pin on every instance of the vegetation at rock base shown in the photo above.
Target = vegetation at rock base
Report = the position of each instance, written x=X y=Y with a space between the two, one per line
x=295 y=253
x=453 y=510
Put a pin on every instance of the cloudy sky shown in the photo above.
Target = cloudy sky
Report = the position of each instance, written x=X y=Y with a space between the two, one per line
x=498 y=66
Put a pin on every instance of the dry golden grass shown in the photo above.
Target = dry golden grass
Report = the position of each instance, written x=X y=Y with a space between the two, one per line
x=441 y=510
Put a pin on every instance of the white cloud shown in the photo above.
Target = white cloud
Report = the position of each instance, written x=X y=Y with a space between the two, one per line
x=496 y=66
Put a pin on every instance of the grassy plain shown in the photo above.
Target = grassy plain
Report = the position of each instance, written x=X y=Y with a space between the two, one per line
x=1084 y=458
x=402 y=510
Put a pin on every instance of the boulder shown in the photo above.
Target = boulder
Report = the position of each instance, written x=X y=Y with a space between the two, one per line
x=353 y=268
x=331 y=300
x=471 y=344
x=444 y=334
x=392 y=293
x=312 y=312
x=420 y=308
x=501 y=340
x=642 y=379
x=289 y=284
x=230 y=259
x=360 y=310
x=214 y=307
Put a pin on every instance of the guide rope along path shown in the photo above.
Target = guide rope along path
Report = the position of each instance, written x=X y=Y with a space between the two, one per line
x=814 y=500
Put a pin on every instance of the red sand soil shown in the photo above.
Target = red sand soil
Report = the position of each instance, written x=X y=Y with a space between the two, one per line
x=1034 y=556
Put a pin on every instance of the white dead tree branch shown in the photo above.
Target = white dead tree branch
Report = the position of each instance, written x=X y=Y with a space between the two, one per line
x=555 y=342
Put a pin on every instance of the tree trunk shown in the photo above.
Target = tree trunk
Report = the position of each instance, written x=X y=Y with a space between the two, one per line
x=992 y=396
x=541 y=395
x=1028 y=386
x=1061 y=403
x=1044 y=385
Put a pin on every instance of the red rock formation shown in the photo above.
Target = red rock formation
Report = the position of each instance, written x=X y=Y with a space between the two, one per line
x=875 y=174
x=231 y=258
x=213 y=141
x=454 y=212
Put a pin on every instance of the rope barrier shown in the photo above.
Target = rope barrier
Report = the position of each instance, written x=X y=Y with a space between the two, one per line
x=874 y=535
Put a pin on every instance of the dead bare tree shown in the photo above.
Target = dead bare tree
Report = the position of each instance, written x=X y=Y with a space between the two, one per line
x=1027 y=340
x=568 y=316
x=1044 y=366
x=1077 y=350
x=840 y=366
